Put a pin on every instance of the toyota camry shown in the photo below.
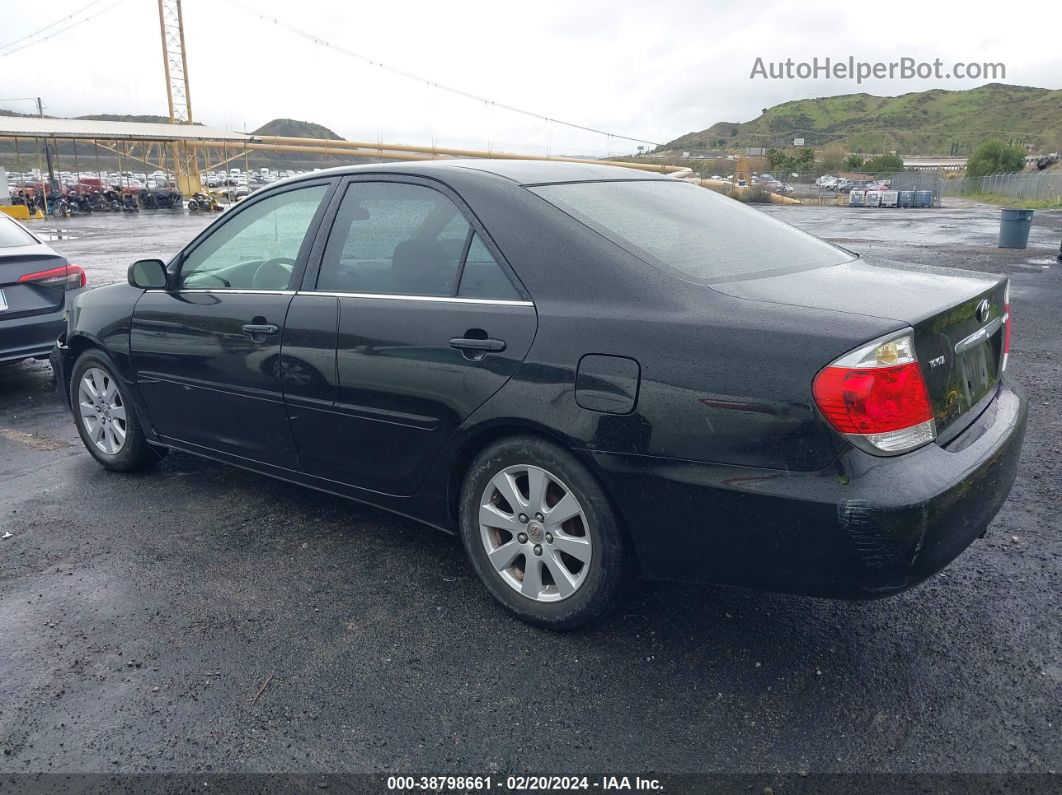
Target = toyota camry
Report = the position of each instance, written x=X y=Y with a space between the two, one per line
x=587 y=372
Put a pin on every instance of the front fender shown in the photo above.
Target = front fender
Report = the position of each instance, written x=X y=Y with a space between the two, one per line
x=100 y=320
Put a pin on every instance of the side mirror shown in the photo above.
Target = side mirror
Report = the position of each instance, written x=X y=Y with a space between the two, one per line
x=148 y=274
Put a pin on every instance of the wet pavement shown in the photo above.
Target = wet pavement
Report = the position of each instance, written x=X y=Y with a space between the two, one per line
x=200 y=618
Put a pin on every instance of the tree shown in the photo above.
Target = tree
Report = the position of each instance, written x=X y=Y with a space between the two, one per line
x=804 y=160
x=995 y=157
x=779 y=160
x=882 y=163
x=832 y=157
x=853 y=162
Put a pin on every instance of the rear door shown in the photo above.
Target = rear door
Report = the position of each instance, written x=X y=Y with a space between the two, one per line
x=430 y=322
x=207 y=351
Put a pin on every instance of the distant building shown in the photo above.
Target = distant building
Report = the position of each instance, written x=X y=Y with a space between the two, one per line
x=700 y=154
x=934 y=163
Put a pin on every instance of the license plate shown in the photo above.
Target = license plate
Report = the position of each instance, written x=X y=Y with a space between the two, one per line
x=3 y=302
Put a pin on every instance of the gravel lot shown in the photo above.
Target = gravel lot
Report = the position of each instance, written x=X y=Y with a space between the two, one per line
x=200 y=618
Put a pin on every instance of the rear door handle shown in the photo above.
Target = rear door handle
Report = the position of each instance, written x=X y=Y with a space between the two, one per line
x=477 y=345
x=256 y=329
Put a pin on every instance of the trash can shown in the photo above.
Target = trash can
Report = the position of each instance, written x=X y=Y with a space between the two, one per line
x=1014 y=228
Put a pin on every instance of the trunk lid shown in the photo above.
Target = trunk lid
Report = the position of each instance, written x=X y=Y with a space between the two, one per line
x=23 y=299
x=957 y=317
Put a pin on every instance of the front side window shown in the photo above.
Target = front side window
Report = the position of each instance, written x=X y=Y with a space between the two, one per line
x=257 y=249
x=394 y=238
x=693 y=231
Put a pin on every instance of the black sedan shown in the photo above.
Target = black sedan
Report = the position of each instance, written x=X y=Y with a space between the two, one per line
x=585 y=371
x=36 y=285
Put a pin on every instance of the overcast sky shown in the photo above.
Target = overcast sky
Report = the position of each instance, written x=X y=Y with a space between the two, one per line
x=651 y=69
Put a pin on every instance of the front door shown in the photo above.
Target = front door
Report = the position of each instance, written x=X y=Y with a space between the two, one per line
x=430 y=325
x=207 y=351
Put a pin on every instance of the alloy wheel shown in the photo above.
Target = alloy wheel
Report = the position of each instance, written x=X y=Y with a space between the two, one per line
x=102 y=410
x=535 y=533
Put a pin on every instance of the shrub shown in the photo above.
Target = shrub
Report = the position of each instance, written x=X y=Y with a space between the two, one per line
x=995 y=157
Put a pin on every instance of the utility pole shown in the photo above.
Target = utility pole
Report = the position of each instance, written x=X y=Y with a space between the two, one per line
x=52 y=184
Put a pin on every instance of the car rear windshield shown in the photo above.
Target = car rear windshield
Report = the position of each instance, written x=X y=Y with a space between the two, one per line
x=11 y=234
x=704 y=236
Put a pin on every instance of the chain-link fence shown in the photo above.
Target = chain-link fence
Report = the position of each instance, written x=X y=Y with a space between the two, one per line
x=1044 y=186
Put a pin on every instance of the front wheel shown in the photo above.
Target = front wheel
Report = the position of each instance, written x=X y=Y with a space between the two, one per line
x=105 y=418
x=542 y=534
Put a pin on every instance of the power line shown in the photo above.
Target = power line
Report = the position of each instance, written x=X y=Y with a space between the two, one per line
x=57 y=32
x=431 y=83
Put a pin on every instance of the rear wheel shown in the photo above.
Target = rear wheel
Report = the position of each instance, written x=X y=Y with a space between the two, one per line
x=542 y=534
x=105 y=418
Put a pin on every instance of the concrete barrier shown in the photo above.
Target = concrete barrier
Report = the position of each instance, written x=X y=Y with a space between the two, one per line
x=17 y=211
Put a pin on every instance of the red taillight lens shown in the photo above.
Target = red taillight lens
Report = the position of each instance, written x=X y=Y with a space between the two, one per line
x=877 y=397
x=72 y=276
x=876 y=400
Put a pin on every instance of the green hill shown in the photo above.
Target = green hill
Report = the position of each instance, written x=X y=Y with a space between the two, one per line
x=292 y=128
x=933 y=122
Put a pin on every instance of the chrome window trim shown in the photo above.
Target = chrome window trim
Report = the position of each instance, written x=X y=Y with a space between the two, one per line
x=226 y=290
x=434 y=298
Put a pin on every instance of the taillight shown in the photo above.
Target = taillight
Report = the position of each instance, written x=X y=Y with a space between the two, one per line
x=876 y=396
x=1006 y=325
x=72 y=276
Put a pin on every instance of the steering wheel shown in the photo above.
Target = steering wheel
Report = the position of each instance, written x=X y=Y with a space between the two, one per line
x=206 y=275
x=273 y=274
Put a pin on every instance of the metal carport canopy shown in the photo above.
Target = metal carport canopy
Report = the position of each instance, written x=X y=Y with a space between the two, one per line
x=33 y=127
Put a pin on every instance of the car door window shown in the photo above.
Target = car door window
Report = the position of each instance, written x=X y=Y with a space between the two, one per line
x=256 y=249
x=482 y=276
x=394 y=238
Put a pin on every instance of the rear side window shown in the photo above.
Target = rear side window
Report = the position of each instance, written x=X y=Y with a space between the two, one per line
x=483 y=277
x=11 y=234
x=394 y=238
x=700 y=234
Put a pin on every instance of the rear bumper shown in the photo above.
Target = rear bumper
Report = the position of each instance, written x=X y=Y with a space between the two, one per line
x=866 y=527
x=29 y=337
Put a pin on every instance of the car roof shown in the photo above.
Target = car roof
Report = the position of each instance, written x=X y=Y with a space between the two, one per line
x=523 y=172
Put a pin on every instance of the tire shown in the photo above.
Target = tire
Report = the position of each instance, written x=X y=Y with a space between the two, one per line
x=121 y=424
x=595 y=586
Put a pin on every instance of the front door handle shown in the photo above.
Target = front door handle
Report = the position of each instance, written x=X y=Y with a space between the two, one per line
x=475 y=345
x=260 y=329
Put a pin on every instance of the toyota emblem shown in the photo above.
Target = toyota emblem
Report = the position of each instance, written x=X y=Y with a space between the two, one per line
x=982 y=310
